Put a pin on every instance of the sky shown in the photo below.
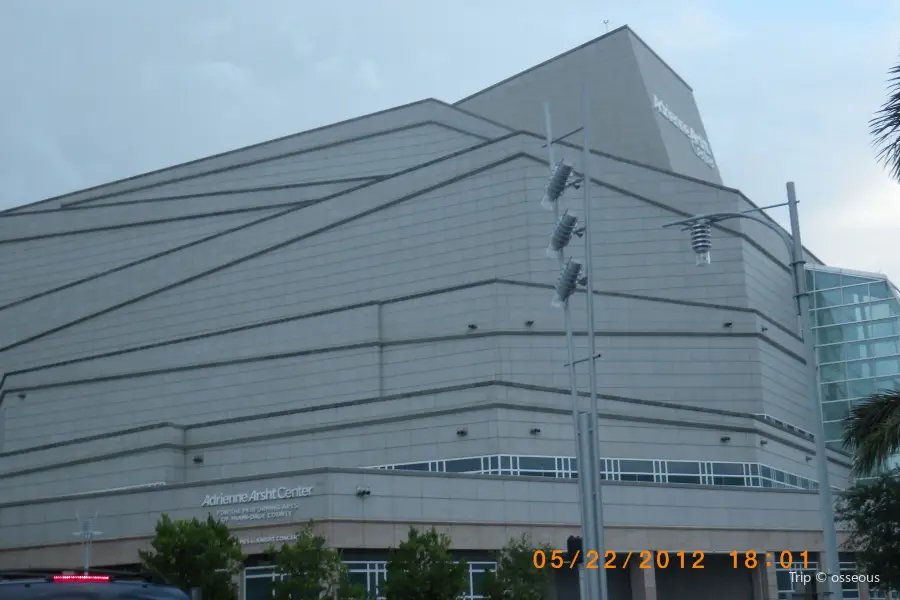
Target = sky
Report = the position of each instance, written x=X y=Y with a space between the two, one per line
x=97 y=90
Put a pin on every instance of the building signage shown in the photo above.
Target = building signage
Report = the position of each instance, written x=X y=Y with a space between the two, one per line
x=279 y=493
x=266 y=512
x=700 y=146
x=270 y=539
x=242 y=508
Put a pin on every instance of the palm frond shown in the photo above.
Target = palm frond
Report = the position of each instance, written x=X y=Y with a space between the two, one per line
x=885 y=126
x=872 y=431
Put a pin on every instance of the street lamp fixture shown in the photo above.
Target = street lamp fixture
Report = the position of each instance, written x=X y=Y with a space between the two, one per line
x=701 y=243
x=559 y=179
x=562 y=235
x=567 y=284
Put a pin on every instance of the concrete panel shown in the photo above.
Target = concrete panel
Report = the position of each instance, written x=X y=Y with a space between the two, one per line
x=40 y=265
x=217 y=253
x=312 y=335
x=426 y=110
x=663 y=85
x=421 y=497
x=188 y=396
x=615 y=84
x=375 y=156
x=356 y=262
x=159 y=466
x=95 y=216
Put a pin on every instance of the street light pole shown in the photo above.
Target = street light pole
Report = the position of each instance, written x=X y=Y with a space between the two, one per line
x=699 y=226
x=596 y=470
x=826 y=504
x=583 y=462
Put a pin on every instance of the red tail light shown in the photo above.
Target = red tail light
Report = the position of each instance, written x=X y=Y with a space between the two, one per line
x=81 y=578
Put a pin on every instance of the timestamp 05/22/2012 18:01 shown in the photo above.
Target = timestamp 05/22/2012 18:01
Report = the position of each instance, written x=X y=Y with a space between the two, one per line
x=662 y=559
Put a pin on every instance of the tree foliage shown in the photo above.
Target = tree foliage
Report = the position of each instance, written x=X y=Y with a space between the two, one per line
x=516 y=577
x=195 y=553
x=311 y=570
x=421 y=568
x=872 y=431
x=885 y=125
x=872 y=510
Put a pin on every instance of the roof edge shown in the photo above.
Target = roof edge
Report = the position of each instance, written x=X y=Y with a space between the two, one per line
x=218 y=155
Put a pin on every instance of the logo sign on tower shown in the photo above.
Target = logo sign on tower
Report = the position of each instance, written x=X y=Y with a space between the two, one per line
x=698 y=144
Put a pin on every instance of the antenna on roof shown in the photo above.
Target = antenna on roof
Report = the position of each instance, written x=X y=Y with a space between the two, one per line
x=606 y=22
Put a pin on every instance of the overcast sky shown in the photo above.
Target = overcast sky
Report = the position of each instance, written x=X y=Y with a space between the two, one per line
x=96 y=90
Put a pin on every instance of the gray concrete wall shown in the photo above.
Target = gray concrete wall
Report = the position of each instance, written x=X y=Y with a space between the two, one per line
x=622 y=75
x=412 y=497
x=367 y=329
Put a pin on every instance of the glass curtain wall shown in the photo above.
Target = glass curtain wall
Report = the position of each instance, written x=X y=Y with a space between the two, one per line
x=856 y=321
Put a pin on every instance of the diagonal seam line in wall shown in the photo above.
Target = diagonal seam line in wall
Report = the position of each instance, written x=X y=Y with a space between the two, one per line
x=388 y=343
x=231 y=192
x=371 y=303
x=337 y=224
x=292 y=208
x=260 y=161
x=226 y=153
x=280 y=245
x=478 y=407
x=400 y=396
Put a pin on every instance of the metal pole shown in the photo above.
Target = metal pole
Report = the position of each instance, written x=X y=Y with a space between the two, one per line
x=583 y=490
x=87 y=554
x=596 y=516
x=826 y=507
x=588 y=473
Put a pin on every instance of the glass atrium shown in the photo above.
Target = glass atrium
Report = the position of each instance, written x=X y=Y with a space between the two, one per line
x=856 y=317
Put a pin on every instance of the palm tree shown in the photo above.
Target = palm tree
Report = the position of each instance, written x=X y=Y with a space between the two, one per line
x=872 y=431
x=885 y=126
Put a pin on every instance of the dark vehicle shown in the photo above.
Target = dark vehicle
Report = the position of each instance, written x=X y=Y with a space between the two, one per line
x=36 y=584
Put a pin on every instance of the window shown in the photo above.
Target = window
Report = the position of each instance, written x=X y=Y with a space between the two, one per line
x=422 y=466
x=825 y=280
x=830 y=316
x=832 y=335
x=887 y=383
x=832 y=353
x=885 y=347
x=537 y=466
x=887 y=366
x=464 y=465
x=884 y=309
x=880 y=290
x=834 y=391
x=856 y=293
x=633 y=470
x=834 y=432
x=828 y=298
x=854 y=332
x=885 y=328
x=835 y=411
x=832 y=372
x=861 y=388
x=859 y=369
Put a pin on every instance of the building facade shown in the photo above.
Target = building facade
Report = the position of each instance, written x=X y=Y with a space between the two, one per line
x=857 y=322
x=351 y=325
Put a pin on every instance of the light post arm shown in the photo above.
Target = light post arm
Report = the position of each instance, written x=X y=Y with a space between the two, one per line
x=701 y=242
x=712 y=218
